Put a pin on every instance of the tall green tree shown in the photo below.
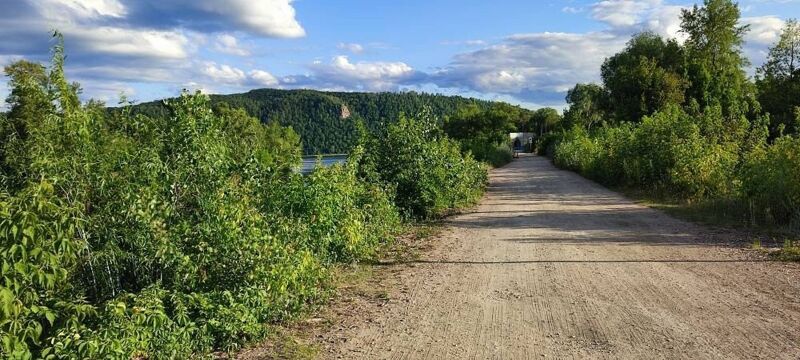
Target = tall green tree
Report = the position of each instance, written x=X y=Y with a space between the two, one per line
x=490 y=126
x=543 y=121
x=588 y=106
x=645 y=77
x=778 y=81
x=29 y=103
x=716 y=64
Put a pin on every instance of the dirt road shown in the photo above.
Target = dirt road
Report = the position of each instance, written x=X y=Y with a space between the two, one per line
x=551 y=265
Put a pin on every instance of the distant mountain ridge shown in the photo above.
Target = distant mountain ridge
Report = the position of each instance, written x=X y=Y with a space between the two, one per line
x=326 y=121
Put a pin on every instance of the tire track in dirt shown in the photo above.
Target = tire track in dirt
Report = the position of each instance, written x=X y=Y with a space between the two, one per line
x=551 y=265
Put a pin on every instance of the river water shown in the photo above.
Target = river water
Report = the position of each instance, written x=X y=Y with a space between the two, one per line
x=310 y=162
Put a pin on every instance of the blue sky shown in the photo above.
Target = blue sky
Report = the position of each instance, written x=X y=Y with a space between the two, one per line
x=522 y=51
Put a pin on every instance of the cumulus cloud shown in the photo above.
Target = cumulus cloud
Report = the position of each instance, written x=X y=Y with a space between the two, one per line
x=666 y=21
x=342 y=74
x=275 y=18
x=142 y=28
x=228 y=44
x=368 y=74
x=535 y=67
x=366 y=70
x=144 y=41
x=622 y=13
x=120 y=42
x=167 y=45
x=764 y=30
x=87 y=27
x=541 y=67
x=80 y=9
x=263 y=78
x=270 y=18
x=224 y=73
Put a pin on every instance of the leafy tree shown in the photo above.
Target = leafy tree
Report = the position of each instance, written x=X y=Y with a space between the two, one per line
x=715 y=60
x=427 y=169
x=484 y=133
x=278 y=147
x=491 y=125
x=30 y=102
x=588 y=105
x=543 y=121
x=645 y=77
x=778 y=81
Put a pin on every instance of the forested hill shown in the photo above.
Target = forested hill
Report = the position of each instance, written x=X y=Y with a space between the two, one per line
x=326 y=121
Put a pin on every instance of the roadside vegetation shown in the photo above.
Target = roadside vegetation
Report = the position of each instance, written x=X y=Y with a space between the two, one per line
x=683 y=122
x=484 y=132
x=129 y=236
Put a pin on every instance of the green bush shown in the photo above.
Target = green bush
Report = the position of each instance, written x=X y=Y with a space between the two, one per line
x=495 y=155
x=576 y=151
x=129 y=237
x=546 y=144
x=666 y=152
x=771 y=182
x=425 y=168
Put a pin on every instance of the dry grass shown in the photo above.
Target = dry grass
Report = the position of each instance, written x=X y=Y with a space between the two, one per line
x=724 y=213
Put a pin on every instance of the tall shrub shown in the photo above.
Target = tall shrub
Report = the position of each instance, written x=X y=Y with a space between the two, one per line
x=425 y=168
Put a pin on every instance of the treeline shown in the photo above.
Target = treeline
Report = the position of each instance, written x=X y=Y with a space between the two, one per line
x=484 y=132
x=684 y=120
x=172 y=236
x=327 y=122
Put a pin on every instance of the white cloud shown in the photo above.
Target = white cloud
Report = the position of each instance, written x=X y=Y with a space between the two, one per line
x=622 y=13
x=90 y=28
x=666 y=21
x=224 y=73
x=192 y=86
x=274 y=18
x=541 y=67
x=228 y=44
x=373 y=76
x=79 y=9
x=351 y=47
x=369 y=70
x=263 y=78
x=537 y=66
x=501 y=81
x=169 y=45
x=157 y=42
x=764 y=30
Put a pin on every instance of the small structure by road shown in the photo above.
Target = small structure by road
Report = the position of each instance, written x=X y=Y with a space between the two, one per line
x=521 y=141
